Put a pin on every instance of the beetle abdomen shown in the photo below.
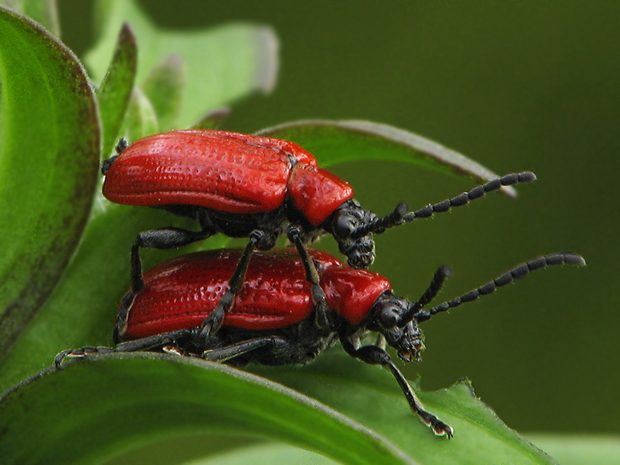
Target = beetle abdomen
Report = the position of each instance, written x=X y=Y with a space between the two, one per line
x=182 y=292
x=214 y=169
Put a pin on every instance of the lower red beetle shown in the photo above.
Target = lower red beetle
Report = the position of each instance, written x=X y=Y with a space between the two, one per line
x=288 y=310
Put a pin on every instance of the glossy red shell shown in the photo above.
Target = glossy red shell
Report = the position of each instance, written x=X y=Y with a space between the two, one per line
x=182 y=292
x=225 y=171
x=316 y=192
x=352 y=292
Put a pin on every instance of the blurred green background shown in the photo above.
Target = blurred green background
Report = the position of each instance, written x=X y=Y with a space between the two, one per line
x=514 y=85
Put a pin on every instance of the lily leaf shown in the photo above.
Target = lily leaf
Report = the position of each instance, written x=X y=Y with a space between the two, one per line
x=341 y=141
x=129 y=399
x=223 y=63
x=117 y=86
x=49 y=155
x=44 y=12
x=164 y=87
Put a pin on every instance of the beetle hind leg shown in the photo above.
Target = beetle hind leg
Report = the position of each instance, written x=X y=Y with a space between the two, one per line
x=80 y=353
x=225 y=353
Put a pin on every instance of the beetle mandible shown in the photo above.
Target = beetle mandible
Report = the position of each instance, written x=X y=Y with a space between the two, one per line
x=292 y=306
x=251 y=186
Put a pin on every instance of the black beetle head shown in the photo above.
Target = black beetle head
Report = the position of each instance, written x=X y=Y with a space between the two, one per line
x=353 y=227
x=344 y=223
x=387 y=317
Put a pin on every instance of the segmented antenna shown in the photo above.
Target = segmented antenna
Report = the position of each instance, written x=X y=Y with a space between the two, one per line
x=516 y=273
x=120 y=146
x=429 y=295
x=399 y=215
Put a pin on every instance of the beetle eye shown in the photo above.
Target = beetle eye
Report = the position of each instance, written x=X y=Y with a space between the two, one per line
x=345 y=225
x=387 y=316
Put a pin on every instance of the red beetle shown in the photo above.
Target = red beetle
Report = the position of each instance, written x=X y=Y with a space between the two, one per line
x=250 y=186
x=287 y=311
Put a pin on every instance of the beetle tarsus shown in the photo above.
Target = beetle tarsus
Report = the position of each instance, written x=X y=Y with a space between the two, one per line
x=80 y=353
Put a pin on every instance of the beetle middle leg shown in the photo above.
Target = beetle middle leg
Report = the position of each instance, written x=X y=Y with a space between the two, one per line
x=374 y=355
x=312 y=275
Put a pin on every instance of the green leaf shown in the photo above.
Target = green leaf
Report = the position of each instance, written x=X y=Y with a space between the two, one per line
x=49 y=155
x=341 y=141
x=370 y=395
x=43 y=12
x=265 y=454
x=141 y=119
x=212 y=120
x=579 y=449
x=164 y=87
x=223 y=63
x=117 y=86
x=130 y=399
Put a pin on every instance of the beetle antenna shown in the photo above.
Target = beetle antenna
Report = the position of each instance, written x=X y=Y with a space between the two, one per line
x=120 y=146
x=431 y=292
x=399 y=215
x=509 y=276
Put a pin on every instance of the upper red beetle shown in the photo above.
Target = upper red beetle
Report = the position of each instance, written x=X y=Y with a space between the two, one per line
x=287 y=311
x=251 y=186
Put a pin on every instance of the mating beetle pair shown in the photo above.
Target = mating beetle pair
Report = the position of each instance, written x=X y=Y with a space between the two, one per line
x=270 y=308
x=250 y=186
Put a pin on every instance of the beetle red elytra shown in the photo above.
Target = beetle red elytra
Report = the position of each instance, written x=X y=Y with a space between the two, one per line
x=251 y=186
x=288 y=310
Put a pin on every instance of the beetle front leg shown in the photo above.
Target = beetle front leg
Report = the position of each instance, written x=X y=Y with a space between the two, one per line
x=312 y=275
x=164 y=238
x=374 y=355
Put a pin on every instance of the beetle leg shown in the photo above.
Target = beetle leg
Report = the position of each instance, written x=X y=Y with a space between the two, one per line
x=211 y=325
x=164 y=238
x=374 y=355
x=83 y=352
x=172 y=338
x=223 y=354
x=312 y=275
